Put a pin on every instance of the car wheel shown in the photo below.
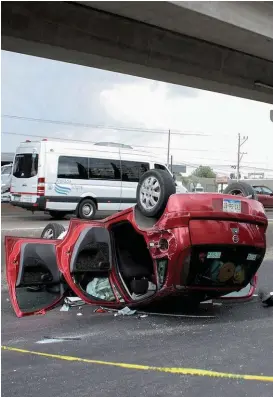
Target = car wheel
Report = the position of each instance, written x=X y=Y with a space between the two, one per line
x=241 y=189
x=57 y=214
x=153 y=192
x=52 y=231
x=87 y=209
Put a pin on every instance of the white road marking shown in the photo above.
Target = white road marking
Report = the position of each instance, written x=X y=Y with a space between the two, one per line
x=23 y=228
x=46 y=341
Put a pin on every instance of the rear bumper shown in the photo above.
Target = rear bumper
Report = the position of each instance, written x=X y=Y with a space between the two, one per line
x=40 y=204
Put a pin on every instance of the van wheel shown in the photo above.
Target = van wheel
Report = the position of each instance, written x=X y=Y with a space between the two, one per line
x=52 y=231
x=87 y=209
x=153 y=192
x=57 y=214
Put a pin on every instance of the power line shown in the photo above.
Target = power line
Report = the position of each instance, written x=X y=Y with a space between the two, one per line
x=151 y=147
x=98 y=126
x=139 y=146
x=88 y=141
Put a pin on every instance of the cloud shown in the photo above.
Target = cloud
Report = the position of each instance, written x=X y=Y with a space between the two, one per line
x=46 y=89
x=220 y=116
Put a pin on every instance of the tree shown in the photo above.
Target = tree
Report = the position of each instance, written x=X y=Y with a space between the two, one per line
x=204 y=171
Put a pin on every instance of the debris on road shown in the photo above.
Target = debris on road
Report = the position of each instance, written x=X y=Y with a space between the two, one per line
x=73 y=301
x=64 y=308
x=266 y=298
x=143 y=316
x=146 y=314
x=211 y=302
x=125 y=312
x=100 y=310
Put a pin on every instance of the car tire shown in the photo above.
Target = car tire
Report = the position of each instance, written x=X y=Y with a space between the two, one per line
x=57 y=214
x=153 y=192
x=52 y=231
x=87 y=209
x=241 y=188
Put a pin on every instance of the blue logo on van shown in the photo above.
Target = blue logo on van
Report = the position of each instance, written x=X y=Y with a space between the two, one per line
x=62 y=189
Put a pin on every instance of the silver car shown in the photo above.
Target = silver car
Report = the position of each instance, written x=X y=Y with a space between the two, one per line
x=6 y=171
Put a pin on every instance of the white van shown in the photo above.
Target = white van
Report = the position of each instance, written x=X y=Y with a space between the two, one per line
x=65 y=177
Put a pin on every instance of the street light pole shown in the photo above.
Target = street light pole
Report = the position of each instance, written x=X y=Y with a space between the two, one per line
x=239 y=153
x=168 y=154
x=238 y=157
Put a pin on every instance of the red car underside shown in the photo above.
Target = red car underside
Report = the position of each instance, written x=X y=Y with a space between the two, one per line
x=194 y=249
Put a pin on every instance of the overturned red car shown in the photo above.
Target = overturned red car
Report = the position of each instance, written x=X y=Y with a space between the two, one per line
x=183 y=247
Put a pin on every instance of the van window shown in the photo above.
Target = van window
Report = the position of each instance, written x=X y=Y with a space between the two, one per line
x=25 y=165
x=104 y=169
x=133 y=170
x=70 y=167
x=160 y=167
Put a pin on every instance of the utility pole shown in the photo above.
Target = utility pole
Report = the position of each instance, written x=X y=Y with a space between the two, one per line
x=239 y=153
x=168 y=154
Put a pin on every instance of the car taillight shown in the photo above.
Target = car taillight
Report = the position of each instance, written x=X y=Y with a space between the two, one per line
x=41 y=187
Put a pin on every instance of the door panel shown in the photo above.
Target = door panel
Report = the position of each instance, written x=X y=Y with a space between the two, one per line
x=86 y=260
x=33 y=277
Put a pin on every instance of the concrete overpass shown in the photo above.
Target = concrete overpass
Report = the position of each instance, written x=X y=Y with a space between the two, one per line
x=225 y=47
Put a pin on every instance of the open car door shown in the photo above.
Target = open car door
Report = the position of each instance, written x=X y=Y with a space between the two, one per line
x=86 y=261
x=33 y=276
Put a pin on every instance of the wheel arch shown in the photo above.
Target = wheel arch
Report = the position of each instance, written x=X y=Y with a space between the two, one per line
x=84 y=197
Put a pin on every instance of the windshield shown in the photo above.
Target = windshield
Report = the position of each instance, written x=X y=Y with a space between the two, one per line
x=25 y=165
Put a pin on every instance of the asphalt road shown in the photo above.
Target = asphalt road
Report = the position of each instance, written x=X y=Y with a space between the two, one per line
x=100 y=355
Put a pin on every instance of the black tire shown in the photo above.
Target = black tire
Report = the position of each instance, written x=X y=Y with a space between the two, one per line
x=241 y=188
x=83 y=207
x=57 y=214
x=165 y=190
x=52 y=231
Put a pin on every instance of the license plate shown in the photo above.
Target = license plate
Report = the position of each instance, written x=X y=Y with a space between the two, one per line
x=25 y=198
x=231 y=205
x=251 y=257
x=214 y=255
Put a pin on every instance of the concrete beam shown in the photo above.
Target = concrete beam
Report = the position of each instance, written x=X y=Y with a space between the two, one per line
x=77 y=34
x=244 y=26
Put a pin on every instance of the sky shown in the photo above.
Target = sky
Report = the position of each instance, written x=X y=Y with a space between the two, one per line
x=204 y=125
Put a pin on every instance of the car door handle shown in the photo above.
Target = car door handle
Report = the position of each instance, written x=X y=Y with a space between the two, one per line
x=24 y=185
